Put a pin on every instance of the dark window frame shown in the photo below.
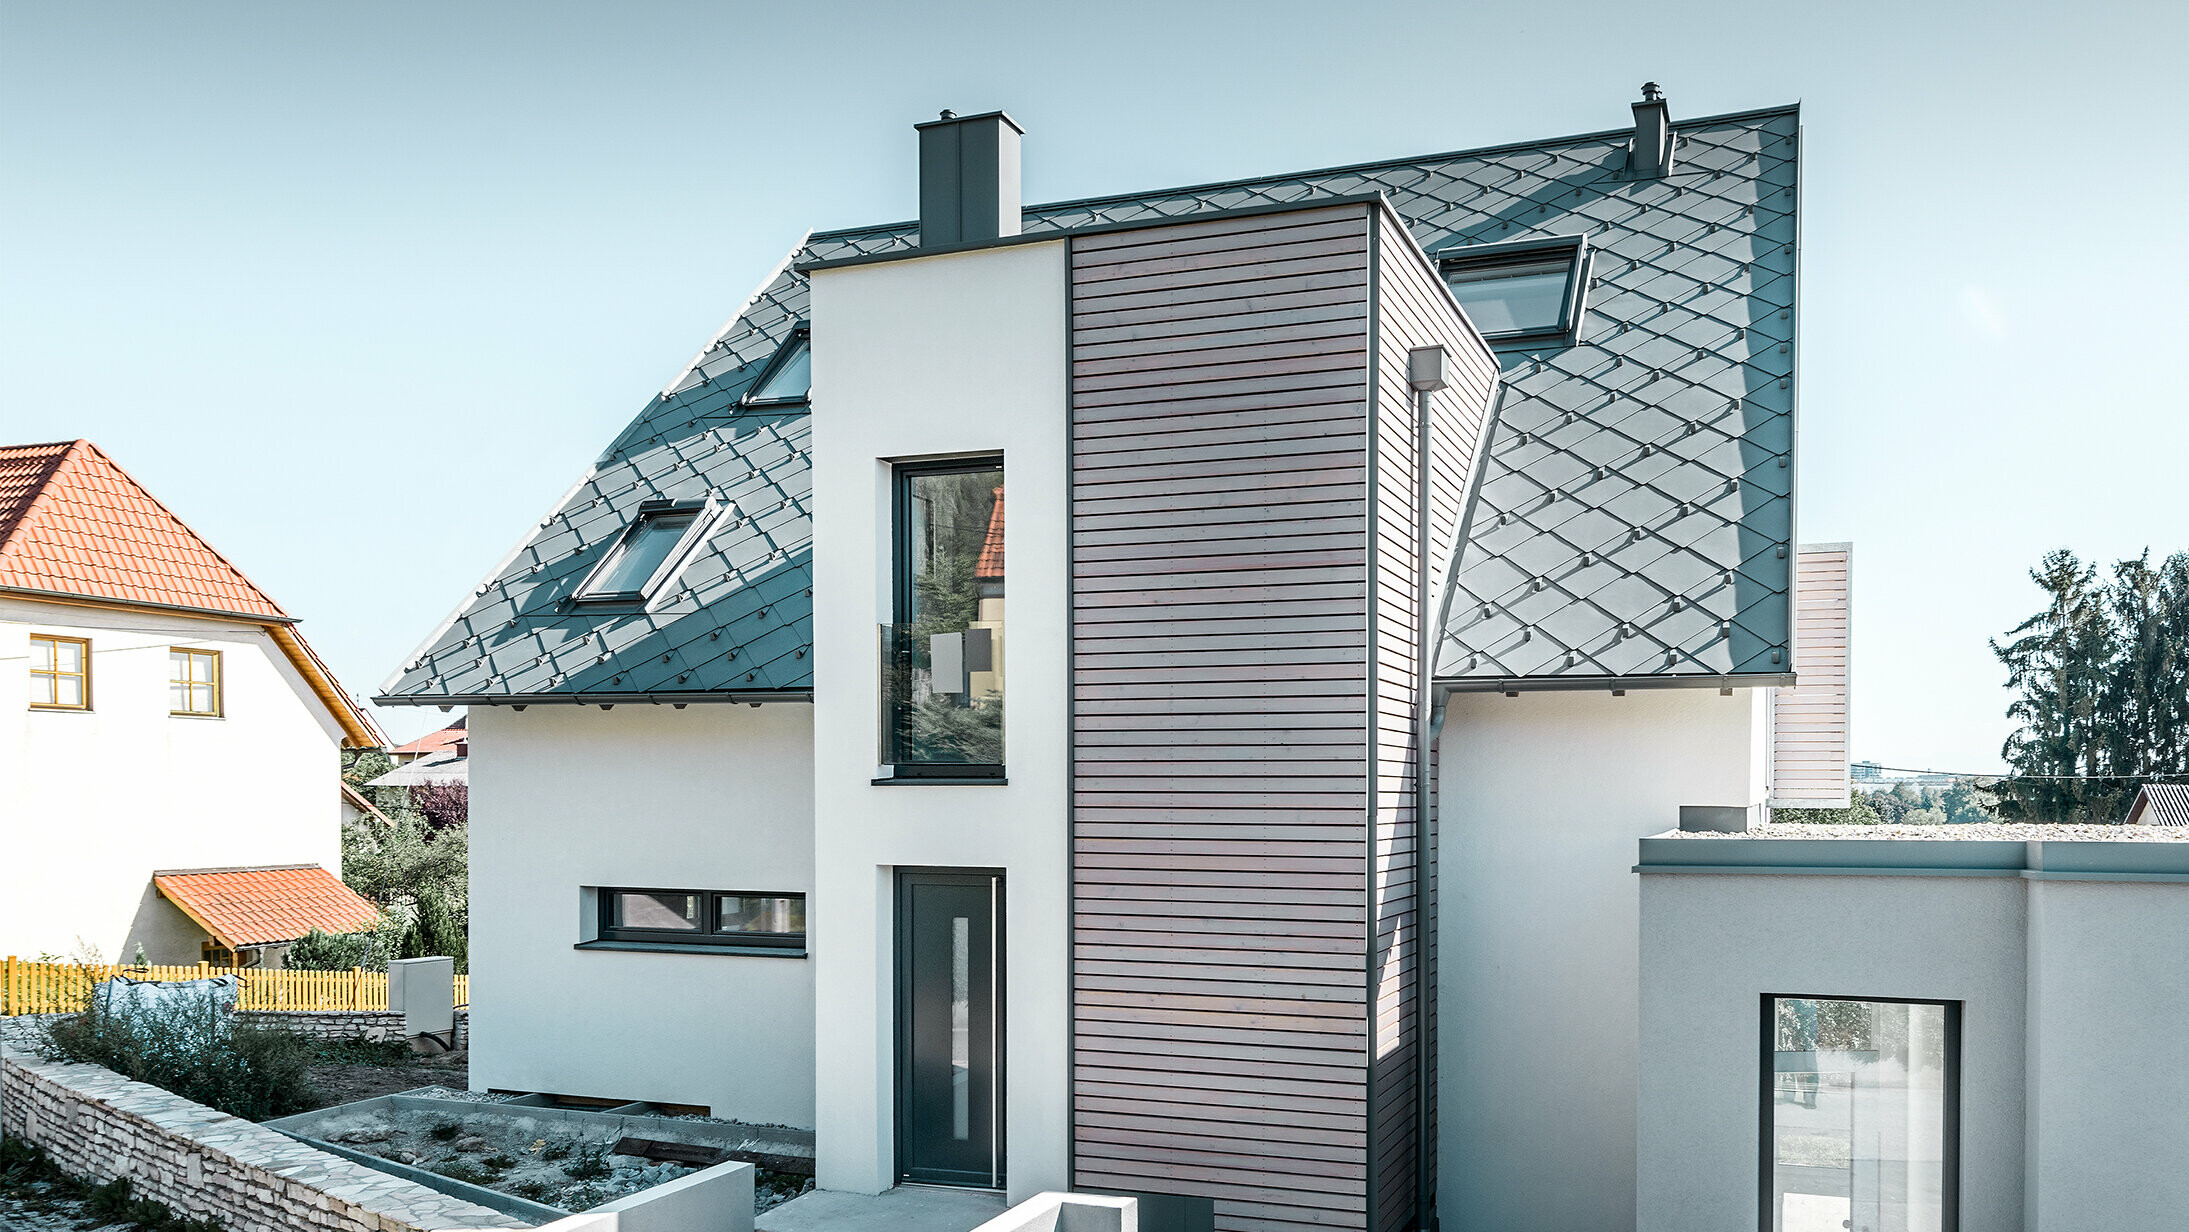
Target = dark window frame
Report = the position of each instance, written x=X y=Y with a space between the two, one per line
x=900 y=602
x=1573 y=307
x=610 y=935
x=704 y=513
x=800 y=339
x=1949 y=1188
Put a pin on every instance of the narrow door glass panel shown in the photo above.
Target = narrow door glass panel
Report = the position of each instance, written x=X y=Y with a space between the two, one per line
x=642 y=554
x=944 y=656
x=1512 y=296
x=961 y=1026
x=1859 y=1116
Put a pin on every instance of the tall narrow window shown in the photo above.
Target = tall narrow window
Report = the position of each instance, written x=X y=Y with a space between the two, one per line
x=193 y=682
x=943 y=656
x=1861 y=1112
x=60 y=673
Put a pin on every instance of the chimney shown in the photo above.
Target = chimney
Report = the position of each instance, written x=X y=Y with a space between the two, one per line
x=968 y=178
x=1649 y=155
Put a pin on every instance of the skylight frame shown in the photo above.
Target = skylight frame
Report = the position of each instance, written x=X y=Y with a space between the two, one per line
x=1573 y=305
x=705 y=514
x=799 y=342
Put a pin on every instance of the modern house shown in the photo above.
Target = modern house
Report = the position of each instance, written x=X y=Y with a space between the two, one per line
x=1390 y=548
x=159 y=715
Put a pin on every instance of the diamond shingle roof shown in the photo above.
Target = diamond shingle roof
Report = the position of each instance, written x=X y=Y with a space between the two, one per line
x=73 y=522
x=265 y=906
x=1636 y=512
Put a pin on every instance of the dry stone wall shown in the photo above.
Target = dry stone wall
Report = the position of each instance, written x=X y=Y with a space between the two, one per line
x=95 y=1123
x=24 y=1031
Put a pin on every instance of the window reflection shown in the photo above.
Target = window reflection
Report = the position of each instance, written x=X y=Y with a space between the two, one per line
x=1859 y=1112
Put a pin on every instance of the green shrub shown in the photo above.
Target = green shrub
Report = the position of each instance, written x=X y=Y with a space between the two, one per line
x=590 y=1165
x=195 y=1050
x=369 y=949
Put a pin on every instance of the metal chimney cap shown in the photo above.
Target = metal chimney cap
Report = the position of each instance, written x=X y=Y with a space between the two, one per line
x=1651 y=93
x=951 y=117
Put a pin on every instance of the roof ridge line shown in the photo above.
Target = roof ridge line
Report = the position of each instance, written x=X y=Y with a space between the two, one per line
x=1793 y=108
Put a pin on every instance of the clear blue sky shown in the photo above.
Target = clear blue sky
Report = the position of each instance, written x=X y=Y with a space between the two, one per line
x=360 y=289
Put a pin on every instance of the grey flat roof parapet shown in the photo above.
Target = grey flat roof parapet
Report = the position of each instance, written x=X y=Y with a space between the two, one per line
x=2127 y=857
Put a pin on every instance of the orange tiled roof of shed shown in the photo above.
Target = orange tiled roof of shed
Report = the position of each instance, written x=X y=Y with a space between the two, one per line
x=265 y=906
x=73 y=522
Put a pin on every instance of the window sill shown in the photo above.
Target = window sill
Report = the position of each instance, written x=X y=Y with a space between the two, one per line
x=670 y=947
x=917 y=781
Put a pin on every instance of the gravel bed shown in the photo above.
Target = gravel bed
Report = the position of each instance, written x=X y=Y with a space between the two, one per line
x=1998 y=831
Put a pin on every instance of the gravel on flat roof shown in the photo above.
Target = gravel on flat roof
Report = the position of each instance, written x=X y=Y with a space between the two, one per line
x=1998 y=831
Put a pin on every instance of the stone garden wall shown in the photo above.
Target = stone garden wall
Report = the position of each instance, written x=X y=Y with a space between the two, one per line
x=97 y=1124
x=24 y=1030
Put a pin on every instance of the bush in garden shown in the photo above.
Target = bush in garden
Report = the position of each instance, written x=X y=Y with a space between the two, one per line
x=196 y=1050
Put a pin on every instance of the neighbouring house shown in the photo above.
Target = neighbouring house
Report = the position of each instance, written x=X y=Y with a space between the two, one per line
x=2159 y=804
x=434 y=743
x=251 y=915
x=161 y=713
x=1392 y=547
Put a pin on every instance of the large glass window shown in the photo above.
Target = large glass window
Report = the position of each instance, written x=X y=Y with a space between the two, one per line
x=704 y=917
x=1861 y=1102
x=60 y=673
x=1518 y=291
x=193 y=682
x=942 y=658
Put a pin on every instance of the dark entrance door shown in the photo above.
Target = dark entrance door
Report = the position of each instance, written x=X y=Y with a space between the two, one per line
x=950 y=1028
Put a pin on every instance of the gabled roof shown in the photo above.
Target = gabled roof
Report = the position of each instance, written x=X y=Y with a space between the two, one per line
x=2160 y=804
x=76 y=528
x=72 y=522
x=266 y=905
x=1634 y=523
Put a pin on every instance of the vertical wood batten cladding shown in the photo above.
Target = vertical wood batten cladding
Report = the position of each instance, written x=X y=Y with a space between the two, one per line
x=1809 y=741
x=1220 y=518
x=1240 y=758
x=1412 y=310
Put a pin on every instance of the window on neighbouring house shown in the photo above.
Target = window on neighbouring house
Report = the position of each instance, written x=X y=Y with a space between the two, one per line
x=942 y=660
x=790 y=377
x=1515 y=291
x=1862 y=1113
x=704 y=917
x=193 y=682
x=60 y=673
x=651 y=551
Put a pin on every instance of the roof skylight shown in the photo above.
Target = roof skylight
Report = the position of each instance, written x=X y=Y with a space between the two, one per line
x=651 y=551
x=1525 y=291
x=790 y=377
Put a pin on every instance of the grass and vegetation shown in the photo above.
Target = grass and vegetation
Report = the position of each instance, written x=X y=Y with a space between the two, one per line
x=31 y=1180
x=196 y=1050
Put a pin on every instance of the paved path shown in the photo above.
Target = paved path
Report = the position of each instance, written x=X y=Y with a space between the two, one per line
x=908 y=1208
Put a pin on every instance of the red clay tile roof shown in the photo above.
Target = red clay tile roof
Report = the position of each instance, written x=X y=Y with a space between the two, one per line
x=265 y=906
x=990 y=564
x=74 y=523
x=434 y=741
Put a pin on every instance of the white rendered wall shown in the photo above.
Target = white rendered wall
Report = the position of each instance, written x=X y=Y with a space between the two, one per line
x=1543 y=797
x=92 y=802
x=940 y=355
x=1714 y=945
x=712 y=797
x=2108 y=1093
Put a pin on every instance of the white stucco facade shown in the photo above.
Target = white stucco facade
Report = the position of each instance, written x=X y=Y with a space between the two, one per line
x=96 y=800
x=2072 y=991
x=934 y=357
x=566 y=800
x=1542 y=799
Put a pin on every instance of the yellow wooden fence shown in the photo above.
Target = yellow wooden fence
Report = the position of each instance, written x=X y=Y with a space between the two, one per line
x=59 y=988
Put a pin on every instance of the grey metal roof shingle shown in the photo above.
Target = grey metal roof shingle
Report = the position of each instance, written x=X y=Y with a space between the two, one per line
x=1635 y=518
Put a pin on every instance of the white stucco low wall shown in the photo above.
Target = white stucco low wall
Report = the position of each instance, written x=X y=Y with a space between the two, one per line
x=1543 y=798
x=712 y=797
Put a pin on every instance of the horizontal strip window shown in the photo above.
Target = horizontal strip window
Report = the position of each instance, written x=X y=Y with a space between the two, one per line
x=729 y=919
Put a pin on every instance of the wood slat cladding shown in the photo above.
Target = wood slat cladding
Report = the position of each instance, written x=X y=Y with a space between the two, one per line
x=1243 y=702
x=1809 y=749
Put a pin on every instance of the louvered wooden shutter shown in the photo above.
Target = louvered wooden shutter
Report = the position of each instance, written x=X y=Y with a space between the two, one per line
x=1809 y=721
